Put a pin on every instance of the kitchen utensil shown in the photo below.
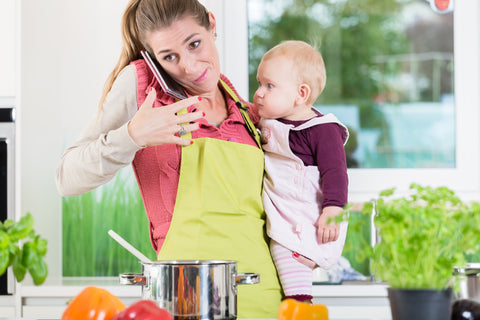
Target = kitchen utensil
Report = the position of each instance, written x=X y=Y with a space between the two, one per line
x=192 y=289
x=129 y=247
x=469 y=280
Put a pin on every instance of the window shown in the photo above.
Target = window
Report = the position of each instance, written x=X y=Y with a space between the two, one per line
x=389 y=70
x=394 y=77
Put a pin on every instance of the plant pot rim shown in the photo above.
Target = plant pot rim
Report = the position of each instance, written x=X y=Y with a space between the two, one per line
x=471 y=267
x=420 y=289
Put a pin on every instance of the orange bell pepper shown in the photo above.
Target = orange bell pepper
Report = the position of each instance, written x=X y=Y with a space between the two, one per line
x=93 y=303
x=294 y=310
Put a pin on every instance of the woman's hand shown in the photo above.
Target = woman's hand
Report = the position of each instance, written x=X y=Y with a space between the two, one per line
x=155 y=126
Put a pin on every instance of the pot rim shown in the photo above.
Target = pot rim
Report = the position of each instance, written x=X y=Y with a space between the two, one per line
x=471 y=268
x=189 y=262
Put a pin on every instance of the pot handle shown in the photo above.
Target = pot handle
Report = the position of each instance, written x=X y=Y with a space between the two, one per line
x=247 y=278
x=466 y=272
x=135 y=279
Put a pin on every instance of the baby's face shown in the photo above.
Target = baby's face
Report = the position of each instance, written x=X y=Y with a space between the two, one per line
x=277 y=88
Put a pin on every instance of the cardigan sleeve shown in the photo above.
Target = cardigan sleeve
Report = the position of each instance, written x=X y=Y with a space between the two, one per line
x=329 y=156
x=105 y=146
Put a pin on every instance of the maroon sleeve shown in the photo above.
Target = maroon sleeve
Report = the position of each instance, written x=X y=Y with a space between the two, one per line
x=329 y=155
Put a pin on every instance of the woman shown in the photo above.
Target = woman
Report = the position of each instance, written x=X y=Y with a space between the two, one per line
x=201 y=189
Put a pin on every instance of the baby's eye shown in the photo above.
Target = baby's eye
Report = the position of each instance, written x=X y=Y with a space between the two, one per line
x=194 y=44
x=270 y=86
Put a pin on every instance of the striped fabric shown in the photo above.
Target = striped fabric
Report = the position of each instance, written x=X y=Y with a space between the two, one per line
x=295 y=277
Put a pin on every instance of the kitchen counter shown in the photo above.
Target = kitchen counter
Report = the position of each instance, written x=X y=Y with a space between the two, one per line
x=48 y=301
x=72 y=285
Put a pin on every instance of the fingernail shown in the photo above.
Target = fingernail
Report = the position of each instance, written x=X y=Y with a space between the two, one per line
x=296 y=255
x=199 y=98
x=191 y=142
x=151 y=89
x=203 y=114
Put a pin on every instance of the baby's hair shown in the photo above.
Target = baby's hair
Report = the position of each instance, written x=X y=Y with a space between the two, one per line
x=308 y=63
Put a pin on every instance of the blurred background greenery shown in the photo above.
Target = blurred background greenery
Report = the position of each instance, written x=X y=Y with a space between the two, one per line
x=88 y=250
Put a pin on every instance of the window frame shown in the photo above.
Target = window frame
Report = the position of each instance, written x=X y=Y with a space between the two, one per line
x=366 y=183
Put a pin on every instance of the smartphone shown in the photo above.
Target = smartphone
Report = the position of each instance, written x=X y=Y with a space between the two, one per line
x=169 y=86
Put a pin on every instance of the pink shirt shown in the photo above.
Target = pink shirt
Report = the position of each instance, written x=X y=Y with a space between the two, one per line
x=160 y=201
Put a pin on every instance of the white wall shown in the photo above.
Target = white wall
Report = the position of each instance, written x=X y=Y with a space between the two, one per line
x=68 y=49
x=7 y=53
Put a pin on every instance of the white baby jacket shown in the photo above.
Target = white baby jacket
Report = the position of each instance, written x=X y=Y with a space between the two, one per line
x=292 y=194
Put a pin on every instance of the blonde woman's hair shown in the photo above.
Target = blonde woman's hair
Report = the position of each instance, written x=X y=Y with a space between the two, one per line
x=141 y=17
x=308 y=64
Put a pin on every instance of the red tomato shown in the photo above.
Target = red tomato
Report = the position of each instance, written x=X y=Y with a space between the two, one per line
x=144 y=310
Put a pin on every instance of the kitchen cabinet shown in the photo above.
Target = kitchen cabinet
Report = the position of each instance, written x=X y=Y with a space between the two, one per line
x=49 y=300
x=7 y=306
x=354 y=300
x=349 y=301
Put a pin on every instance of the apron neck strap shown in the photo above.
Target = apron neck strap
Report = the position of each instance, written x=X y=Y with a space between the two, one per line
x=243 y=110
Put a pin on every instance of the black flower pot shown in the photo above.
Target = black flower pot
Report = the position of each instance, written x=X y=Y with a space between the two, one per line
x=420 y=304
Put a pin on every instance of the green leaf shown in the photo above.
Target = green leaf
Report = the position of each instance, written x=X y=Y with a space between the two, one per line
x=7 y=224
x=22 y=228
x=29 y=253
x=19 y=269
x=388 y=192
x=4 y=240
x=41 y=246
x=38 y=271
x=4 y=260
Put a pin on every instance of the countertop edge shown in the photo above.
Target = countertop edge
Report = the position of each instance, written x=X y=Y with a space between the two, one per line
x=62 y=287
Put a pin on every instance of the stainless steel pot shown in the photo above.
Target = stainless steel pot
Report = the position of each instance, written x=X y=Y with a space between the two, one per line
x=192 y=289
x=469 y=280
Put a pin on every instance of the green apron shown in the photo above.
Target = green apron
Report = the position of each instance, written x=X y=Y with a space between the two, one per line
x=219 y=215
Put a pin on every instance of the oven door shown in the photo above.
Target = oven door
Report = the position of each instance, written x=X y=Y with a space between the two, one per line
x=7 y=182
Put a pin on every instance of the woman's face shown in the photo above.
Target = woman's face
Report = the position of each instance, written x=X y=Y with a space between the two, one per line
x=188 y=53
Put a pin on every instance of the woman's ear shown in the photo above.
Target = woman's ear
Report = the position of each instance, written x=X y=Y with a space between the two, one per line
x=213 y=24
x=303 y=93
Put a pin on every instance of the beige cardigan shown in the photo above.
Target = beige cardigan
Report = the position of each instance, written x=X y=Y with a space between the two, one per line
x=105 y=146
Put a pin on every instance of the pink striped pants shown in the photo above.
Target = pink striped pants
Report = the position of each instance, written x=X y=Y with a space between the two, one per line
x=295 y=277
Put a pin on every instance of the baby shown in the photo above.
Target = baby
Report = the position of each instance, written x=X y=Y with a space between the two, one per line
x=306 y=180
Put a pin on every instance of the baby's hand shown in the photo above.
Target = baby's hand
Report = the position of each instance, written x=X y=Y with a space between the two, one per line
x=326 y=231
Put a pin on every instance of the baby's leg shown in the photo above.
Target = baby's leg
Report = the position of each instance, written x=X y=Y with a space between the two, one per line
x=296 y=278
